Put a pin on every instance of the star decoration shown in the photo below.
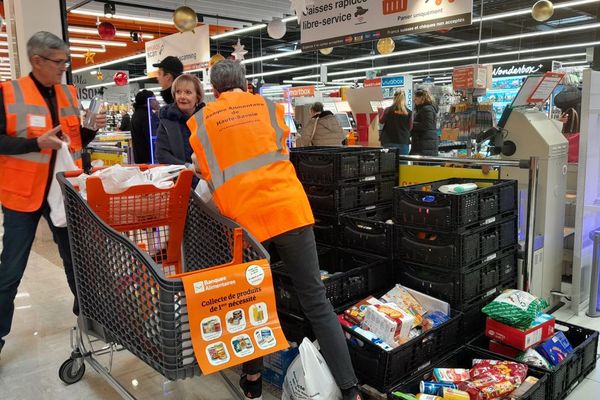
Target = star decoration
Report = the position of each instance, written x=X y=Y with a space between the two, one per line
x=238 y=51
x=89 y=56
x=99 y=75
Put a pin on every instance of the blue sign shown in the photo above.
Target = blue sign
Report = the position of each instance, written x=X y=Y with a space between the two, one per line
x=394 y=81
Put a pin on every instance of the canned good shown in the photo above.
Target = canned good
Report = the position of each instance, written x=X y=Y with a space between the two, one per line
x=424 y=396
x=430 y=387
x=453 y=394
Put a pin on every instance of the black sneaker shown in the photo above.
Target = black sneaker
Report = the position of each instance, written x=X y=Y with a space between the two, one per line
x=351 y=394
x=251 y=389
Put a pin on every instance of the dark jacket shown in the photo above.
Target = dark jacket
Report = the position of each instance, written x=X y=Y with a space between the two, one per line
x=173 y=137
x=396 y=127
x=140 y=134
x=125 y=123
x=167 y=96
x=424 y=138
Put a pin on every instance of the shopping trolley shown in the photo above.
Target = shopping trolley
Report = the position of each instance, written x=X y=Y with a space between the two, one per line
x=124 y=246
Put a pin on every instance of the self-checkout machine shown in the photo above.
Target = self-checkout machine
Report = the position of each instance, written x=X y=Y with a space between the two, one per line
x=528 y=132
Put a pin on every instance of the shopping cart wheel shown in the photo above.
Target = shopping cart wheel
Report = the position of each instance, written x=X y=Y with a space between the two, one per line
x=68 y=375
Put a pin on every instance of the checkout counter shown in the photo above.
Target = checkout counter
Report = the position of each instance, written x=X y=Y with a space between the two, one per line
x=111 y=148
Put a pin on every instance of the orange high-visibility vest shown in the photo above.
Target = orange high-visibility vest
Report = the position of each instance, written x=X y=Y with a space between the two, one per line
x=240 y=143
x=23 y=177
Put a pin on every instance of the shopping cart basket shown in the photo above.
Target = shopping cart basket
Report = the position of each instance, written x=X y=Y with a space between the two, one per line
x=126 y=299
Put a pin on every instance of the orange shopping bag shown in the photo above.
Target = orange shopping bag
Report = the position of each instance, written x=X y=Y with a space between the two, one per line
x=232 y=314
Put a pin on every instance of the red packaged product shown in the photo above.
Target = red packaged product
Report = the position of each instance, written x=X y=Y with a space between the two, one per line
x=515 y=372
x=499 y=389
x=521 y=339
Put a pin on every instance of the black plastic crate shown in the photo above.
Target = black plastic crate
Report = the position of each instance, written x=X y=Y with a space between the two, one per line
x=354 y=276
x=473 y=318
x=327 y=229
x=295 y=328
x=367 y=230
x=454 y=250
x=463 y=358
x=348 y=196
x=384 y=369
x=459 y=288
x=330 y=165
x=423 y=205
x=566 y=376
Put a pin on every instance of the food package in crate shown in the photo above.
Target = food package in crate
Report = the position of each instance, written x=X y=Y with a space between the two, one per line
x=356 y=313
x=515 y=308
x=389 y=322
x=404 y=300
x=541 y=329
x=555 y=349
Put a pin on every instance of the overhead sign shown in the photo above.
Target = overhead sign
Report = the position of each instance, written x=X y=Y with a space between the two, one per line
x=192 y=48
x=301 y=91
x=519 y=69
x=394 y=81
x=372 y=82
x=545 y=87
x=232 y=315
x=112 y=92
x=474 y=76
x=367 y=20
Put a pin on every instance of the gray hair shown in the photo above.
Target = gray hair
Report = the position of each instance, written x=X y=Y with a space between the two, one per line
x=41 y=42
x=228 y=74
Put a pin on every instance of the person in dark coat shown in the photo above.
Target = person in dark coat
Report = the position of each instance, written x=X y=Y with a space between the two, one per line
x=173 y=137
x=424 y=138
x=397 y=122
x=125 y=122
x=140 y=128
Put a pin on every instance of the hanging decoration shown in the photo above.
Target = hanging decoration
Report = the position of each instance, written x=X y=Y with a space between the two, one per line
x=542 y=10
x=276 y=28
x=215 y=59
x=89 y=57
x=326 y=51
x=299 y=6
x=99 y=75
x=185 y=19
x=120 y=78
x=107 y=31
x=238 y=51
x=386 y=45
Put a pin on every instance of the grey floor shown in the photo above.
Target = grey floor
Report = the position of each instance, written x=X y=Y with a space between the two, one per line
x=39 y=343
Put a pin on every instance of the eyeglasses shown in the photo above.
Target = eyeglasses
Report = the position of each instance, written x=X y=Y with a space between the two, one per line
x=59 y=63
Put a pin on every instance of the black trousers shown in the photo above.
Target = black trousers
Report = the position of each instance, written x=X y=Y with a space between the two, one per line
x=298 y=252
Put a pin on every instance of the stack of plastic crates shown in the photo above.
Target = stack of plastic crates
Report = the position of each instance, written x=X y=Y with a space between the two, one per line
x=460 y=248
x=124 y=247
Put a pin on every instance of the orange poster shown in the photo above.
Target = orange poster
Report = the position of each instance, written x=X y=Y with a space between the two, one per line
x=232 y=315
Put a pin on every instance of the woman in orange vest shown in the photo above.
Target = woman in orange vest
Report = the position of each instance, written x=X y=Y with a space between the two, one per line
x=240 y=145
x=37 y=114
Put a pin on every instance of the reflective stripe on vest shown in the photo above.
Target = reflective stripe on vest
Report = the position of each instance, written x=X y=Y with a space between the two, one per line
x=218 y=176
x=72 y=110
x=33 y=157
x=21 y=110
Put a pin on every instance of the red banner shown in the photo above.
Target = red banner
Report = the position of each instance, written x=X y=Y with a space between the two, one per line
x=372 y=82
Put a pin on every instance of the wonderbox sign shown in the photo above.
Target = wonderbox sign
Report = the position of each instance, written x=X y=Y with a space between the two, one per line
x=192 y=48
x=367 y=20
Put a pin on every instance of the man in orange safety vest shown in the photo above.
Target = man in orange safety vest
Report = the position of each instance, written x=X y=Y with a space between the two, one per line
x=37 y=114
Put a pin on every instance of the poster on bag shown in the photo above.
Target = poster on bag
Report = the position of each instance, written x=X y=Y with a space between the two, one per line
x=232 y=315
x=192 y=49
x=368 y=20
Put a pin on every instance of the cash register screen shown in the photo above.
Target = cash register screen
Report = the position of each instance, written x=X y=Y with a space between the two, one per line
x=344 y=121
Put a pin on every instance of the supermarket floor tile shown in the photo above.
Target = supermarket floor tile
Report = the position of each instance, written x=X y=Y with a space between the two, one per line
x=588 y=389
x=595 y=374
x=586 y=322
x=39 y=343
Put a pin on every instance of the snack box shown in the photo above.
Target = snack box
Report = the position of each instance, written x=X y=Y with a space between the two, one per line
x=388 y=322
x=555 y=349
x=356 y=313
x=541 y=329
x=403 y=299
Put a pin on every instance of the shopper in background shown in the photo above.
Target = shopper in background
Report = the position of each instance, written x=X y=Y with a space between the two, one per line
x=173 y=137
x=397 y=123
x=141 y=122
x=37 y=114
x=239 y=142
x=168 y=70
x=125 y=122
x=424 y=138
x=323 y=129
x=569 y=102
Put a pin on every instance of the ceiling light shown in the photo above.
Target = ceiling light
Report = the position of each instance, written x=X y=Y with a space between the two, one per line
x=76 y=55
x=94 y=49
x=109 y=10
x=120 y=16
x=98 y=42
x=105 y=64
x=525 y=11
x=271 y=57
x=574 y=62
x=139 y=78
x=249 y=29
x=281 y=71
x=91 y=31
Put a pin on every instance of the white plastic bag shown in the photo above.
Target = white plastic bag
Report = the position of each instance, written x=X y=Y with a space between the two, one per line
x=308 y=377
x=64 y=162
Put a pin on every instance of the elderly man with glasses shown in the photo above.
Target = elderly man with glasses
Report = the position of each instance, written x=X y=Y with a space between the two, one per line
x=37 y=114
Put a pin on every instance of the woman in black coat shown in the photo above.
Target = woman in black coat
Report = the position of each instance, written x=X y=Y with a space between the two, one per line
x=173 y=137
x=424 y=138
x=140 y=127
